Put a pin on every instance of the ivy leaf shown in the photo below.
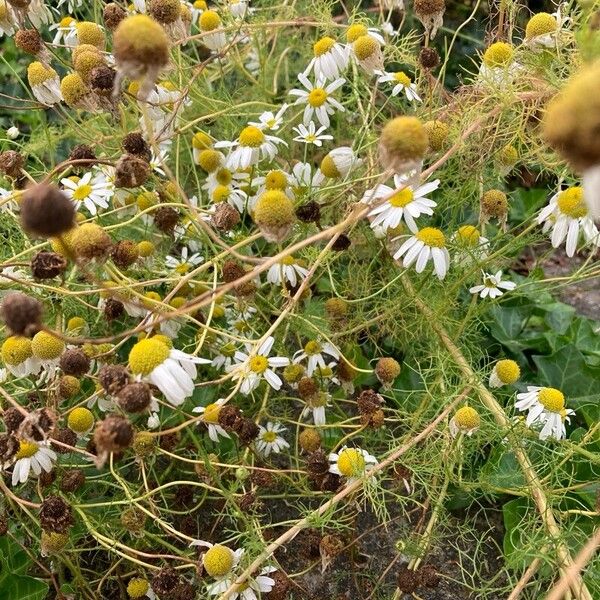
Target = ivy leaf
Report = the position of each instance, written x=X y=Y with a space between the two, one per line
x=567 y=371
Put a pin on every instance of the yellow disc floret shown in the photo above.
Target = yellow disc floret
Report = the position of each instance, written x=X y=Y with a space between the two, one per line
x=146 y=355
x=274 y=209
x=317 y=97
x=209 y=20
x=137 y=587
x=258 y=364
x=571 y=203
x=432 y=237
x=355 y=31
x=552 y=399
x=218 y=560
x=37 y=73
x=499 y=54
x=467 y=418
x=76 y=323
x=540 y=24
x=251 y=137
x=329 y=168
x=276 y=180
x=351 y=462
x=402 y=78
x=80 y=420
x=73 y=89
x=365 y=46
x=16 y=350
x=89 y=32
x=468 y=235
x=141 y=39
x=211 y=413
x=402 y=198
x=45 y=346
x=323 y=46
x=26 y=449
x=437 y=131
x=405 y=138
x=201 y=140
x=146 y=248
x=508 y=371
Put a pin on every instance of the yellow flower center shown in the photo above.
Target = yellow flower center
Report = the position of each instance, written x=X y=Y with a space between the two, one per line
x=15 y=350
x=258 y=364
x=228 y=349
x=82 y=192
x=318 y=400
x=317 y=97
x=66 y=21
x=467 y=418
x=201 y=140
x=221 y=193
x=499 y=54
x=224 y=176
x=351 y=462
x=146 y=355
x=365 y=46
x=276 y=180
x=80 y=419
x=552 y=399
x=402 y=78
x=218 y=561
x=37 y=73
x=355 y=31
x=269 y=437
x=540 y=24
x=468 y=235
x=201 y=4
x=211 y=413
x=288 y=260
x=323 y=46
x=325 y=371
x=402 y=198
x=431 y=236
x=137 y=588
x=329 y=168
x=46 y=346
x=26 y=449
x=312 y=347
x=251 y=137
x=209 y=20
x=571 y=203
x=508 y=371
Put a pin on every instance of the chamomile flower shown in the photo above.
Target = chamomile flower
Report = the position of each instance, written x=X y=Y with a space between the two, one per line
x=408 y=204
x=470 y=245
x=230 y=194
x=318 y=99
x=219 y=560
x=351 y=463
x=32 y=456
x=47 y=349
x=93 y=191
x=568 y=216
x=17 y=356
x=357 y=30
x=210 y=417
x=210 y=24
x=505 y=372
x=492 y=286
x=546 y=408
x=304 y=179
x=225 y=355
x=253 y=588
x=427 y=244
x=401 y=82
x=66 y=32
x=140 y=588
x=270 y=121
x=287 y=269
x=252 y=368
x=330 y=59
x=543 y=30
x=337 y=164
x=315 y=406
x=197 y=7
x=252 y=146
x=170 y=370
x=186 y=261
x=269 y=439
x=314 y=353
x=466 y=420
x=7 y=20
x=311 y=135
x=45 y=83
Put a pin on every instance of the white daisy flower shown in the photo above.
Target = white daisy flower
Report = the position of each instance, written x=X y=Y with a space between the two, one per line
x=311 y=135
x=7 y=20
x=546 y=407
x=401 y=82
x=470 y=245
x=186 y=262
x=408 y=203
x=505 y=372
x=250 y=148
x=492 y=286
x=315 y=352
x=45 y=83
x=330 y=59
x=230 y=194
x=358 y=29
x=269 y=439
x=270 y=121
x=498 y=67
x=251 y=368
x=337 y=164
x=210 y=24
x=317 y=99
x=466 y=420
x=252 y=588
x=225 y=355
x=32 y=456
x=351 y=463
x=210 y=417
x=219 y=560
x=91 y=191
x=427 y=244
x=568 y=216
x=287 y=269
x=543 y=30
x=315 y=407
x=170 y=370
x=140 y=588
